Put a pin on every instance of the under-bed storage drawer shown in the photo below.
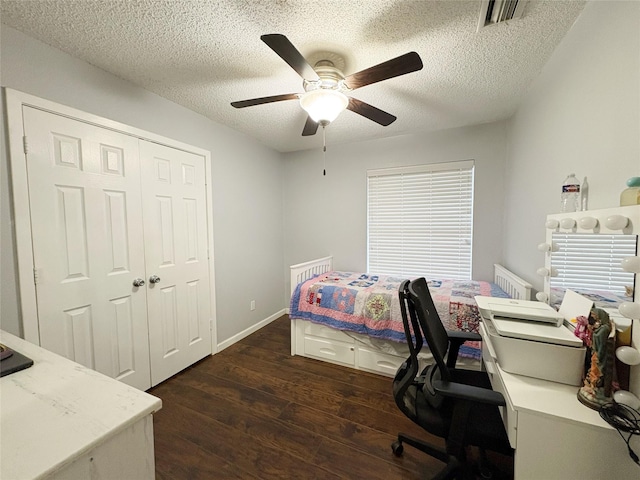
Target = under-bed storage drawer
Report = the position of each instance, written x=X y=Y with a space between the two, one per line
x=330 y=350
x=322 y=331
x=377 y=362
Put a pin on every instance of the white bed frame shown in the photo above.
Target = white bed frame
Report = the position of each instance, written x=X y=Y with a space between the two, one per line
x=358 y=351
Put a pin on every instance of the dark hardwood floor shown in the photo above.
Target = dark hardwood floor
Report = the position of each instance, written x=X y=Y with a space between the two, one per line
x=254 y=411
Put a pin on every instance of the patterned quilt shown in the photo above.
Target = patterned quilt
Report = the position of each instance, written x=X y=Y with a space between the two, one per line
x=368 y=304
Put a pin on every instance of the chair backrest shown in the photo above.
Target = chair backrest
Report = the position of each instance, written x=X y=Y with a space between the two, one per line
x=421 y=303
x=408 y=371
x=409 y=320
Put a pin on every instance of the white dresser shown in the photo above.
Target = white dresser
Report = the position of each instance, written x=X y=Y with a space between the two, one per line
x=553 y=434
x=59 y=419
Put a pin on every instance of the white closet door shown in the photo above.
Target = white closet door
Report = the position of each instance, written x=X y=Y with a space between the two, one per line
x=86 y=214
x=175 y=233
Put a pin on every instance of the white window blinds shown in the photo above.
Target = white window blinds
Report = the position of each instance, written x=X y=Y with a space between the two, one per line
x=592 y=261
x=420 y=220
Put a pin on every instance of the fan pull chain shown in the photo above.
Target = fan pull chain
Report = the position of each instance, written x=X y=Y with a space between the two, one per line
x=324 y=151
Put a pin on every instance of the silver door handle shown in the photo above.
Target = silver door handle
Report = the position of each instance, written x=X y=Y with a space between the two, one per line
x=138 y=282
x=154 y=279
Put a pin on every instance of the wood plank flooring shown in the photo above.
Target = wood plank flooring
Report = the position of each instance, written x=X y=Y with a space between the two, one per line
x=253 y=411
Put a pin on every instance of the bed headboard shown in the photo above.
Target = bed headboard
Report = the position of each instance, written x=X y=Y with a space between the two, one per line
x=306 y=270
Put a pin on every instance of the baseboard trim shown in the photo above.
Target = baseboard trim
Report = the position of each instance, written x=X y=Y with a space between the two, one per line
x=250 y=330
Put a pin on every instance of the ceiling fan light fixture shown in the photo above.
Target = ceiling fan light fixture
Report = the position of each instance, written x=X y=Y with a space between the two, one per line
x=324 y=105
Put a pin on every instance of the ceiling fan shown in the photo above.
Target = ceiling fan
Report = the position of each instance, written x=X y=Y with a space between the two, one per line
x=326 y=88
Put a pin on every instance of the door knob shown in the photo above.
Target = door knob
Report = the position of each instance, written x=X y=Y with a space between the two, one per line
x=154 y=279
x=138 y=282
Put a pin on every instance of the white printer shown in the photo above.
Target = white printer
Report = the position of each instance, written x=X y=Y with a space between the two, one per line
x=511 y=309
x=529 y=338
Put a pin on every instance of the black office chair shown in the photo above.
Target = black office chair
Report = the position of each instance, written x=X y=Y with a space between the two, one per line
x=456 y=405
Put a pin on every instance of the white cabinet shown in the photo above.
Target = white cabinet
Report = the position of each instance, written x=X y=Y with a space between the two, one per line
x=63 y=421
x=553 y=434
x=119 y=244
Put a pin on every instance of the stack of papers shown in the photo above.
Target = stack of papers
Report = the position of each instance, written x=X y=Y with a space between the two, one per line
x=573 y=306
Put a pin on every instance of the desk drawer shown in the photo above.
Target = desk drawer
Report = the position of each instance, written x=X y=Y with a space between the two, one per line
x=508 y=413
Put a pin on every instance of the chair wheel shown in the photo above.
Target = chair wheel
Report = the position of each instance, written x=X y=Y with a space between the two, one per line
x=397 y=448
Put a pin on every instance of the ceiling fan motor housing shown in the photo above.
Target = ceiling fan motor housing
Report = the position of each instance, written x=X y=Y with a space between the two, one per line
x=331 y=78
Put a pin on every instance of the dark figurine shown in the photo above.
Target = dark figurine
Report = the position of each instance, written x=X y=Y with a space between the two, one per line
x=596 y=388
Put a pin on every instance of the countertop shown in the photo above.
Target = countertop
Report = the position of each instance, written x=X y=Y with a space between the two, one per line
x=56 y=410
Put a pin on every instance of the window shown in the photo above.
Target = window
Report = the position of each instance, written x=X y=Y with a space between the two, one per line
x=592 y=261
x=420 y=220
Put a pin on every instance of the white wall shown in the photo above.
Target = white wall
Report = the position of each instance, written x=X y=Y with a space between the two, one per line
x=328 y=215
x=247 y=178
x=581 y=115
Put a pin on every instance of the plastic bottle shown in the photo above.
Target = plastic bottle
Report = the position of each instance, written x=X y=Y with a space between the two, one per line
x=570 y=198
x=631 y=195
x=584 y=194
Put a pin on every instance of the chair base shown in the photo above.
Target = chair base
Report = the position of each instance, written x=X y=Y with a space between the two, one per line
x=453 y=467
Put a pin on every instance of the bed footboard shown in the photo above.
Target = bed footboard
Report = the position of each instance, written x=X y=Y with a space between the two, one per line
x=299 y=273
x=306 y=270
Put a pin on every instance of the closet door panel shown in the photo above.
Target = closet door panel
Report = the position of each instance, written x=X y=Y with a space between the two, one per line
x=175 y=230
x=86 y=215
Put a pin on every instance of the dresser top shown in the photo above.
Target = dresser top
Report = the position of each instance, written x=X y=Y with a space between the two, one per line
x=56 y=410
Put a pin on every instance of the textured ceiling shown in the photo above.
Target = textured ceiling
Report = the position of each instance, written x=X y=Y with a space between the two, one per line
x=204 y=54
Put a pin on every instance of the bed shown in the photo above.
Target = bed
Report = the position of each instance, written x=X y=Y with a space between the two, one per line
x=353 y=319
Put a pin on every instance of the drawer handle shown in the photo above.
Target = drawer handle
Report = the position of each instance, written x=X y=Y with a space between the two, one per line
x=489 y=367
x=487 y=342
x=384 y=364
x=326 y=351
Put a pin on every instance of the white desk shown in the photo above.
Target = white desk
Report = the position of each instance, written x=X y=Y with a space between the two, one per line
x=60 y=420
x=553 y=434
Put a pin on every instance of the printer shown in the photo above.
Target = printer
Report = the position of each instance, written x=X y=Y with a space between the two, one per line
x=511 y=309
x=531 y=338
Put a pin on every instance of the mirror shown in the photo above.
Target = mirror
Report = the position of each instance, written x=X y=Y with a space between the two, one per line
x=590 y=264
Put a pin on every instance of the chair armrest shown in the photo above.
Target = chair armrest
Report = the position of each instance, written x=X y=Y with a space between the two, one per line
x=462 y=337
x=469 y=392
x=456 y=339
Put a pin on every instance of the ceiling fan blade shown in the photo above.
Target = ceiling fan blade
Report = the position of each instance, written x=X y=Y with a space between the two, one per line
x=290 y=54
x=370 y=112
x=310 y=127
x=261 y=100
x=407 y=63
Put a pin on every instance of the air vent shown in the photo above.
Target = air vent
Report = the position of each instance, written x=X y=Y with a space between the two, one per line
x=496 y=11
